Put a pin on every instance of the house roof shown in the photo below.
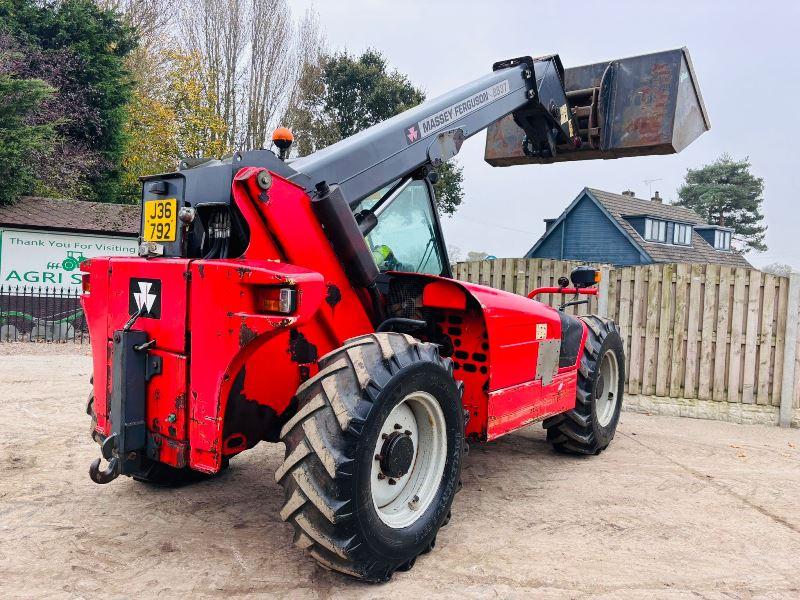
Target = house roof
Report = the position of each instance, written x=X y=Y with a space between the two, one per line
x=619 y=206
x=71 y=215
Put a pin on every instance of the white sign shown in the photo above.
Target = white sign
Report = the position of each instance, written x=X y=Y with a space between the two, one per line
x=42 y=260
x=460 y=109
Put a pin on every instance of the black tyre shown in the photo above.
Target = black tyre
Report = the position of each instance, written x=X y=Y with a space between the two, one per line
x=590 y=426
x=154 y=472
x=373 y=455
x=164 y=475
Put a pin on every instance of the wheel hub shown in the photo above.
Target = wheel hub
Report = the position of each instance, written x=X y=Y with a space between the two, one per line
x=410 y=456
x=397 y=454
x=606 y=389
x=599 y=386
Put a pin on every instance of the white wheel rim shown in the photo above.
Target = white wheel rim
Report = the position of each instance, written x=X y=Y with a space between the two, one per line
x=401 y=503
x=606 y=395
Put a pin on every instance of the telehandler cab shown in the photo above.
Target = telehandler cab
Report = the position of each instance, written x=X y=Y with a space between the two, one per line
x=311 y=302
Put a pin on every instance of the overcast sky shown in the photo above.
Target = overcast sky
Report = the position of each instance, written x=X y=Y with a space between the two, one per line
x=745 y=54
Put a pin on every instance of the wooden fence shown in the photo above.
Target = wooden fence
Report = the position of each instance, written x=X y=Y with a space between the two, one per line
x=691 y=331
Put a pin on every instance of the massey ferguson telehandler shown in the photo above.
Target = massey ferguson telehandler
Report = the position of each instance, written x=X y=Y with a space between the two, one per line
x=310 y=301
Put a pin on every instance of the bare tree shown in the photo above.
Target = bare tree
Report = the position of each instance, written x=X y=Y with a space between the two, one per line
x=254 y=53
x=150 y=18
x=213 y=28
x=153 y=21
x=308 y=86
x=271 y=68
x=778 y=268
x=453 y=253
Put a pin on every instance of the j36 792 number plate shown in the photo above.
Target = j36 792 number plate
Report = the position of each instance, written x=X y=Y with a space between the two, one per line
x=160 y=220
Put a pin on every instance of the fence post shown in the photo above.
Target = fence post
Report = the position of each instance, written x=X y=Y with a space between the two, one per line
x=603 y=290
x=789 y=352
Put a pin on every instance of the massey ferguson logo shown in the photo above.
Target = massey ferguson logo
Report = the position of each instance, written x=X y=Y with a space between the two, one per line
x=447 y=117
x=145 y=295
x=412 y=134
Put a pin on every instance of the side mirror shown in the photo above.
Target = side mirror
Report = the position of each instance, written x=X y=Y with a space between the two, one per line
x=583 y=277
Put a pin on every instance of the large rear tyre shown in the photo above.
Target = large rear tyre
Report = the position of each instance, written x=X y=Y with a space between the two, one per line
x=591 y=425
x=154 y=472
x=373 y=455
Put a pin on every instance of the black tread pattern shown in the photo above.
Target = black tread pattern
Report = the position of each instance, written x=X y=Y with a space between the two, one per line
x=321 y=438
x=571 y=432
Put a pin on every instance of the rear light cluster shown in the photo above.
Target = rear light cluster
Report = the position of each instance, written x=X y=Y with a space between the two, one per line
x=273 y=299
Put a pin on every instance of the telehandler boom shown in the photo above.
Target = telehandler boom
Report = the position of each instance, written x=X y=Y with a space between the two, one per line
x=311 y=302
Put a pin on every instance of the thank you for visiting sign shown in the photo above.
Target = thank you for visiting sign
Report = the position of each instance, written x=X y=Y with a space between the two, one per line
x=44 y=260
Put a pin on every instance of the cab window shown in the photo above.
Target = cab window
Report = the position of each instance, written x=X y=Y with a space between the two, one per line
x=406 y=236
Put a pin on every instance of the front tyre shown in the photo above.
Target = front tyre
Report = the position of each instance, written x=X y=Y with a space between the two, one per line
x=373 y=455
x=591 y=425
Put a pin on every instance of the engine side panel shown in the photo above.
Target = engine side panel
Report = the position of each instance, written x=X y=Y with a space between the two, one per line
x=516 y=325
x=495 y=343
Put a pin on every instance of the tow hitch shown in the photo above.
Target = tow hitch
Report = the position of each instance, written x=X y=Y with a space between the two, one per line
x=132 y=368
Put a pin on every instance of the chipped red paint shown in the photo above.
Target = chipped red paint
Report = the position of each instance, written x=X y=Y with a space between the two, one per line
x=169 y=451
x=215 y=343
x=501 y=327
x=519 y=405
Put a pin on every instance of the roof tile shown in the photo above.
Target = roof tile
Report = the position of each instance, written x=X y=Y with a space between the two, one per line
x=699 y=252
x=71 y=215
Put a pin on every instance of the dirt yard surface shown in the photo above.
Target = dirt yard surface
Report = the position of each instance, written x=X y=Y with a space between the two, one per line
x=676 y=508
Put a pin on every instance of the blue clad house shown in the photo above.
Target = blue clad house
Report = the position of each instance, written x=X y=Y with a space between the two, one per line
x=623 y=230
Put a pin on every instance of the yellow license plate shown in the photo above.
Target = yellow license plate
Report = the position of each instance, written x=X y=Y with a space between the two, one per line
x=160 y=220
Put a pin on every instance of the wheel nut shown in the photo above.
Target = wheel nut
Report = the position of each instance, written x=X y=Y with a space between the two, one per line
x=384 y=436
x=382 y=476
x=407 y=432
x=378 y=457
x=392 y=482
x=398 y=426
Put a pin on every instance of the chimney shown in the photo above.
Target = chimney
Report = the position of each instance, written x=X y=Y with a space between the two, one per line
x=629 y=193
x=657 y=198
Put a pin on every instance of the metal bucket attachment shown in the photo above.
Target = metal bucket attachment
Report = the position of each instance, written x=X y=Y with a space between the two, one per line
x=649 y=104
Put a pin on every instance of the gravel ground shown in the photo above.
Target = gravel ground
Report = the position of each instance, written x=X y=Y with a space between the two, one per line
x=676 y=508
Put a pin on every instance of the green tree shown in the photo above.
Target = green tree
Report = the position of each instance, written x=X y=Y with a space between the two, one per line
x=342 y=94
x=175 y=121
x=78 y=49
x=19 y=99
x=726 y=193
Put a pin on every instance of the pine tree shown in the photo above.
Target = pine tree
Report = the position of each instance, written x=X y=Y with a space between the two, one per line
x=19 y=139
x=725 y=193
x=78 y=49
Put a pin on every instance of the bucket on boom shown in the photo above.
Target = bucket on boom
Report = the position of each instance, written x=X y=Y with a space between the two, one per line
x=635 y=106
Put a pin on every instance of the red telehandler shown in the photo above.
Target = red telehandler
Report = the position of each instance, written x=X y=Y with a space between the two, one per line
x=310 y=301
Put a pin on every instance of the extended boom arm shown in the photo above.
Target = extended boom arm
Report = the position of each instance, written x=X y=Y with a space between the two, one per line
x=431 y=133
x=535 y=112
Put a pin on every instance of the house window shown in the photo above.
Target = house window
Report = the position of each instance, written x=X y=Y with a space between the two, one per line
x=682 y=235
x=722 y=240
x=655 y=230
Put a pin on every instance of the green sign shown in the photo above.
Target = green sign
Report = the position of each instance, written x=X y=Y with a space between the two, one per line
x=42 y=259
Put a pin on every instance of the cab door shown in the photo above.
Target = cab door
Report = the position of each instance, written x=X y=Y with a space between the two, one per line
x=405 y=233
